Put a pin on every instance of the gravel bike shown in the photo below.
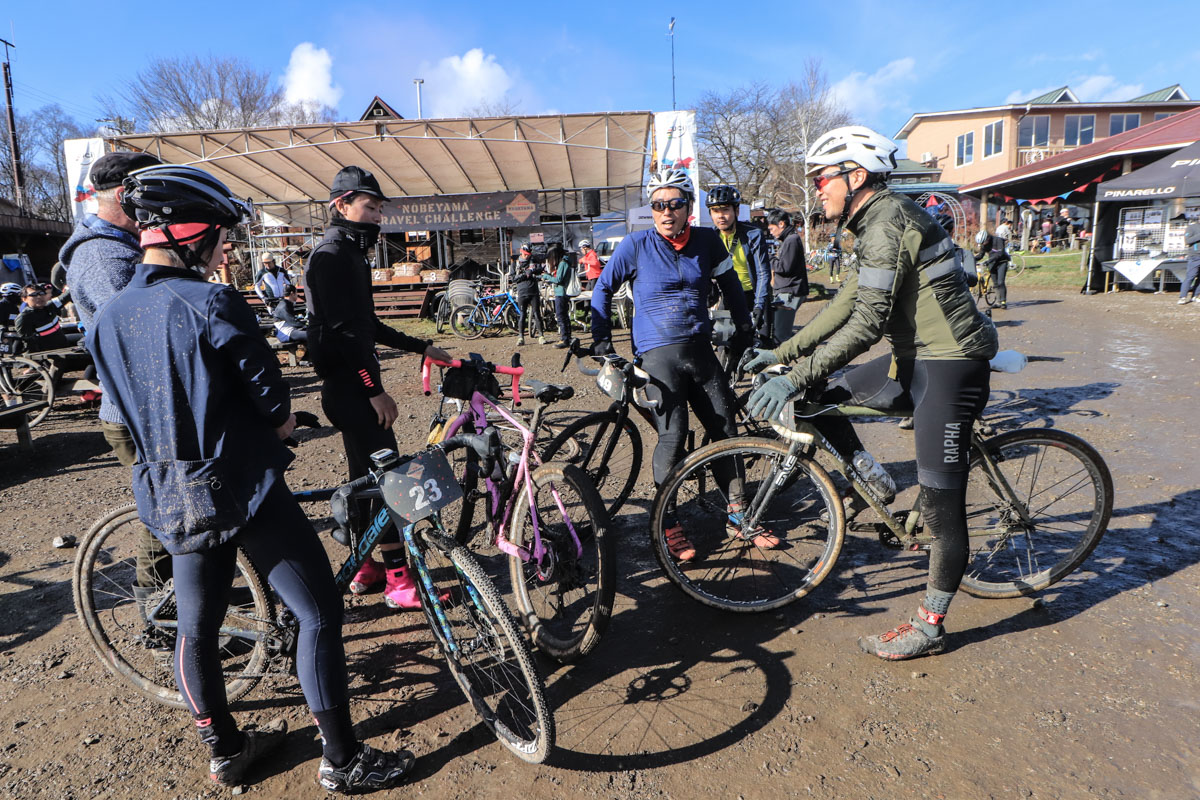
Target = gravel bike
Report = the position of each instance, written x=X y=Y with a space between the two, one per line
x=485 y=650
x=1038 y=502
x=491 y=313
x=547 y=518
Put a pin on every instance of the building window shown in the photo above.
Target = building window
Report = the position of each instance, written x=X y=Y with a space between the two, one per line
x=1080 y=130
x=1119 y=123
x=1034 y=132
x=1163 y=115
x=993 y=139
x=966 y=149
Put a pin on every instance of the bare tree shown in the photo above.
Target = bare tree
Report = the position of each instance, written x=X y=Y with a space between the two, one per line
x=505 y=106
x=756 y=137
x=206 y=93
x=40 y=135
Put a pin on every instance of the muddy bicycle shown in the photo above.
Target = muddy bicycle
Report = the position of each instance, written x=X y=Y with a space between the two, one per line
x=1038 y=502
x=133 y=633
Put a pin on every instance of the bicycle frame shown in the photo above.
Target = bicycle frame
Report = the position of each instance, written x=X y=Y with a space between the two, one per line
x=495 y=314
x=502 y=494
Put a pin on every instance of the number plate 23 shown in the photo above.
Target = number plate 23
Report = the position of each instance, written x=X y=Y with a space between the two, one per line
x=419 y=488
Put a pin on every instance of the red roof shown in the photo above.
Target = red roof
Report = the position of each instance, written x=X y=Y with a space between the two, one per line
x=1170 y=133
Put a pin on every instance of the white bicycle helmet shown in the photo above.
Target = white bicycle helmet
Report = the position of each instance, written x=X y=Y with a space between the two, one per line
x=10 y=289
x=863 y=146
x=671 y=178
x=981 y=237
x=585 y=243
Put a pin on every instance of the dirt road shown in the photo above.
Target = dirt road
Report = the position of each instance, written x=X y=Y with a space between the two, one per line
x=1091 y=691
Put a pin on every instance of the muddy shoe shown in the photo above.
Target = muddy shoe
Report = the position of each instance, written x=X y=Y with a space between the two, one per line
x=369 y=771
x=679 y=545
x=369 y=575
x=905 y=641
x=231 y=770
x=759 y=536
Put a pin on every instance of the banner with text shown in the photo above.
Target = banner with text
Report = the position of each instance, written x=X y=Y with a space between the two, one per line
x=675 y=146
x=461 y=211
x=79 y=154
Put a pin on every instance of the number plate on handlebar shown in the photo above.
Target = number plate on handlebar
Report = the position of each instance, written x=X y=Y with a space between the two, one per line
x=611 y=380
x=419 y=488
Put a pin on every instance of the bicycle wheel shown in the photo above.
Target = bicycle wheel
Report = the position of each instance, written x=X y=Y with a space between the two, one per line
x=611 y=455
x=468 y=322
x=1046 y=518
x=1016 y=264
x=485 y=650
x=732 y=573
x=23 y=380
x=512 y=320
x=441 y=317
x=142 y=652
x=567 y=601
x=989 y=296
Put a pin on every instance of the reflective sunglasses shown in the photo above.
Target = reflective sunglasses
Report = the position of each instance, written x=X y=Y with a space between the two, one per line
x=36 y=294
x=821 y=181
x=675 y=204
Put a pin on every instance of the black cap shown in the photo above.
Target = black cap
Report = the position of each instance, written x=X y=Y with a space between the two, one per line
x=112 y=168
x=355 y=179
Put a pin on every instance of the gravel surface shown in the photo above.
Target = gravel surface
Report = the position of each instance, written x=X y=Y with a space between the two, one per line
x=1087 y=691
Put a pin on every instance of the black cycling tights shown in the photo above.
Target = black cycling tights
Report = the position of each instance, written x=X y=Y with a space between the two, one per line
x=683 y=374
x=283 y=545
x=945 y=398
x=999 y=275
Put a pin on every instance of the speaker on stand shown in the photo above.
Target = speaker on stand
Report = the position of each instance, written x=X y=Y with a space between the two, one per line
x=590 y=208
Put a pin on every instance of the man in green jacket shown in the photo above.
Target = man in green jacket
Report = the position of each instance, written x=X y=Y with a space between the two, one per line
x=911 y=288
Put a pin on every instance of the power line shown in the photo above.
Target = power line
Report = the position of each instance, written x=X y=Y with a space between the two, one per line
x=67 y=105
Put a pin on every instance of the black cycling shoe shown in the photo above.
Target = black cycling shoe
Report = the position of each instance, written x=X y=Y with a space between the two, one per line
x=230 y=770
x=370 y=770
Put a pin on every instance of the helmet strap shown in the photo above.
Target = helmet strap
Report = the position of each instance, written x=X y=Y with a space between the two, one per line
x=190 y=256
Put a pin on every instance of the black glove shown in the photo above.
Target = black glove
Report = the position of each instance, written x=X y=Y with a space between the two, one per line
x=602 y=347
x=757 y=317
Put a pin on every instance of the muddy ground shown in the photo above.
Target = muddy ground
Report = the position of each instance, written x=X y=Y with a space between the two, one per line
x=1091 y=692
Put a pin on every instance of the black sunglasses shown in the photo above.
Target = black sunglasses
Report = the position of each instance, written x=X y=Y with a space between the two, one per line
x=675 y=203
x=36 y=294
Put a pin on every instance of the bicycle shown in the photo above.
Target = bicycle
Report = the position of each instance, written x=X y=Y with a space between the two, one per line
x=547 y=518
x=1038 y=502
x=485 y=651
x=985 y=289
x=607 y=444
x=24 y=380
x=490 y=314
x=1016 y=262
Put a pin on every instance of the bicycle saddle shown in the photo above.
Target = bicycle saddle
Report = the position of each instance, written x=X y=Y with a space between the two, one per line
x=550 y=392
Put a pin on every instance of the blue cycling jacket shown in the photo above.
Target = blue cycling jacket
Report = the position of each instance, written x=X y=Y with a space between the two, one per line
x=670 y=288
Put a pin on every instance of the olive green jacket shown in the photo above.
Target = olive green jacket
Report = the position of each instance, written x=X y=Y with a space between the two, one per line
x=910 y=287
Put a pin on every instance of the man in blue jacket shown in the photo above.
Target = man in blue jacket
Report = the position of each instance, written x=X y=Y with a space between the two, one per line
x=207 y=408
x=671 y=268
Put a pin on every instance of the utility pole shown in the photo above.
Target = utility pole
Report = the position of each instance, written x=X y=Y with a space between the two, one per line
x=418 y=82
x=18 y=176
x=671 y=35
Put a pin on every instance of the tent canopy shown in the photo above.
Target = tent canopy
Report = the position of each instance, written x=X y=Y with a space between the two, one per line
x=294 y=165
x=1177 y=175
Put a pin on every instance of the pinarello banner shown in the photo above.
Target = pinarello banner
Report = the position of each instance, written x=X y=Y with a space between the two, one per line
x=675 y=146
x=461 y=212
x=79 y=155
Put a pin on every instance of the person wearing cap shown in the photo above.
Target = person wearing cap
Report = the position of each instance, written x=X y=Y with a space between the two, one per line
x=100 y=256
x=342 y=334
x=523 y=284
x=590 y=261
x=271 y=282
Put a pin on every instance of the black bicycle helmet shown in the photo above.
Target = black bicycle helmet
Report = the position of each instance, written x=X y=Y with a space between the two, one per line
x=723 y=196
x=180 y=205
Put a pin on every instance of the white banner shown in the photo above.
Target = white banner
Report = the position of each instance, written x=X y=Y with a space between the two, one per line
x=675 y=145
x=80 y=155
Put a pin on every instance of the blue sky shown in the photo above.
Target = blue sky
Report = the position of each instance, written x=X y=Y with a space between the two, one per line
x=886 y=59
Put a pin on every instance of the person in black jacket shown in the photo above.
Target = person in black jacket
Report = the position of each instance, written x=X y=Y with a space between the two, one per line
x=523 y=283
x=791 y=273
x=288 y=328
x=39 y=323
x=342 y=333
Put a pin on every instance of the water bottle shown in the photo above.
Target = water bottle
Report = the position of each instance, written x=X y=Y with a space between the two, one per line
x=874 y=475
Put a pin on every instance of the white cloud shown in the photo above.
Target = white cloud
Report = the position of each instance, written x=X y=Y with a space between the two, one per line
x=1105 y=89
x=866 y=95
x=309 y=77
x=1089 y=89
x=459 y=83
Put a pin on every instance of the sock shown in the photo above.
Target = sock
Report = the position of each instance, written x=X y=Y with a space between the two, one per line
x=393 y=559
x=338 y=744
x=933 y=611
x=220 y=733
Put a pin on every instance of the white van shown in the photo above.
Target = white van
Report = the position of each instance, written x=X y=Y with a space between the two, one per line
x=605 y=248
